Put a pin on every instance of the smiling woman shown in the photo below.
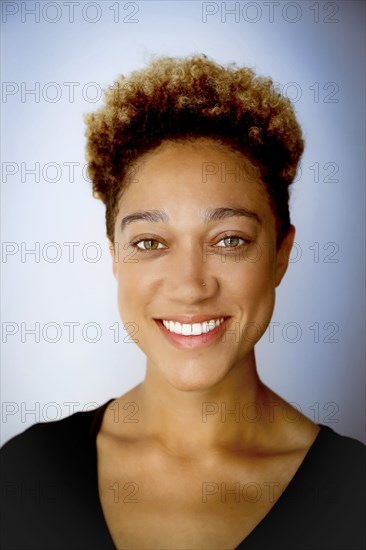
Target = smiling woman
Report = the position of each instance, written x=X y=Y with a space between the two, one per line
x=206 y=232
x=193 y=162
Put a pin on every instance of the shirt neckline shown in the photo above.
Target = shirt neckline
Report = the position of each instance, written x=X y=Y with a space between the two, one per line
x=280 y=502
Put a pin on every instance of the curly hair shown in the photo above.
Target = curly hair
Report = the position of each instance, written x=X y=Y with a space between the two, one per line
x=177 y=99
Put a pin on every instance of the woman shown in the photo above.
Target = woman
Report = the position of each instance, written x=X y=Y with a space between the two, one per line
x=193 y=162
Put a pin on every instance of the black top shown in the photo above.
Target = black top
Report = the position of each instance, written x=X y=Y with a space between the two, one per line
x=50 y=494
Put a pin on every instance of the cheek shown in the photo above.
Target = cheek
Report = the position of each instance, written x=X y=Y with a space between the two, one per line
x=127 y=295
x=253 y=287
x=136 y=291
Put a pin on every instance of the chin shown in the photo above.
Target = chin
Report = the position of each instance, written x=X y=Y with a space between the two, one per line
x=191 y=380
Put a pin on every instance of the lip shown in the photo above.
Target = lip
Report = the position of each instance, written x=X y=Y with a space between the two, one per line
x=192 y=342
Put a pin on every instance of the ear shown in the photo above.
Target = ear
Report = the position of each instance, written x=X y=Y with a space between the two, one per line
x=283 y=254
x=112 y=251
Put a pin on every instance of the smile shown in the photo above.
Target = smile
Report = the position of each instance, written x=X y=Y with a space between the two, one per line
x=195 y=329
x=205 y=331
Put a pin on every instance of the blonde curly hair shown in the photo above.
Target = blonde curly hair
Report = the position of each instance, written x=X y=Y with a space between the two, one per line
x=177 y=99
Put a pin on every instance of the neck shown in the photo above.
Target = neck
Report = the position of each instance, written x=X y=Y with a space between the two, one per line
x=213 y=419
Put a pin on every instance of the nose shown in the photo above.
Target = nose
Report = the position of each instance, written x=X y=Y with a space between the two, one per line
x=189 y=278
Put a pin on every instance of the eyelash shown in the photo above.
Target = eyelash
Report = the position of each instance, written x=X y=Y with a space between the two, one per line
x=230 y=236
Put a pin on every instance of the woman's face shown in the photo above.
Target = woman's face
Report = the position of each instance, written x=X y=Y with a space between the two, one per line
x=212 y=223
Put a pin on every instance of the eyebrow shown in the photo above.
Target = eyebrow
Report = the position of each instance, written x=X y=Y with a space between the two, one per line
x=209 y=214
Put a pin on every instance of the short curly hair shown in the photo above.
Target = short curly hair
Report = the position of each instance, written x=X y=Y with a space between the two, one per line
x=177 y=99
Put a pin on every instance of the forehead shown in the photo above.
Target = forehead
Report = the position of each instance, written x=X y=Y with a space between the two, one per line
x=192 y=174
x=203 y=156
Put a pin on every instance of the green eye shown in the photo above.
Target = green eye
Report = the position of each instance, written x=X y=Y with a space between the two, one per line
x=149 y=244
x=231 y=241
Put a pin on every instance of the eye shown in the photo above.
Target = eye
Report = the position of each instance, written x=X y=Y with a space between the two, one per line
x=148 y=245
x=231 y=241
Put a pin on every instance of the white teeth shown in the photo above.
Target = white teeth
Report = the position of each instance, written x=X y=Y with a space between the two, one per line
x=177 y=328
x=186 y=330
x=195 y=329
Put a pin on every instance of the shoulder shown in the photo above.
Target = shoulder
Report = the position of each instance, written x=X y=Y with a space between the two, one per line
x=45 y=433
x=340 y=451
x=48 y=484
x=335 y=472
x=336 y=458
x=49 y=442
x=323 y=506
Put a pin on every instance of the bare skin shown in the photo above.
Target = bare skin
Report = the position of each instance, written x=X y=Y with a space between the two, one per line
x=155 y=497
x=170 y=454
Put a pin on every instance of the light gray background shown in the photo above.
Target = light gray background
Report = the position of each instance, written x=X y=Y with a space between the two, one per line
x=307 y=47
